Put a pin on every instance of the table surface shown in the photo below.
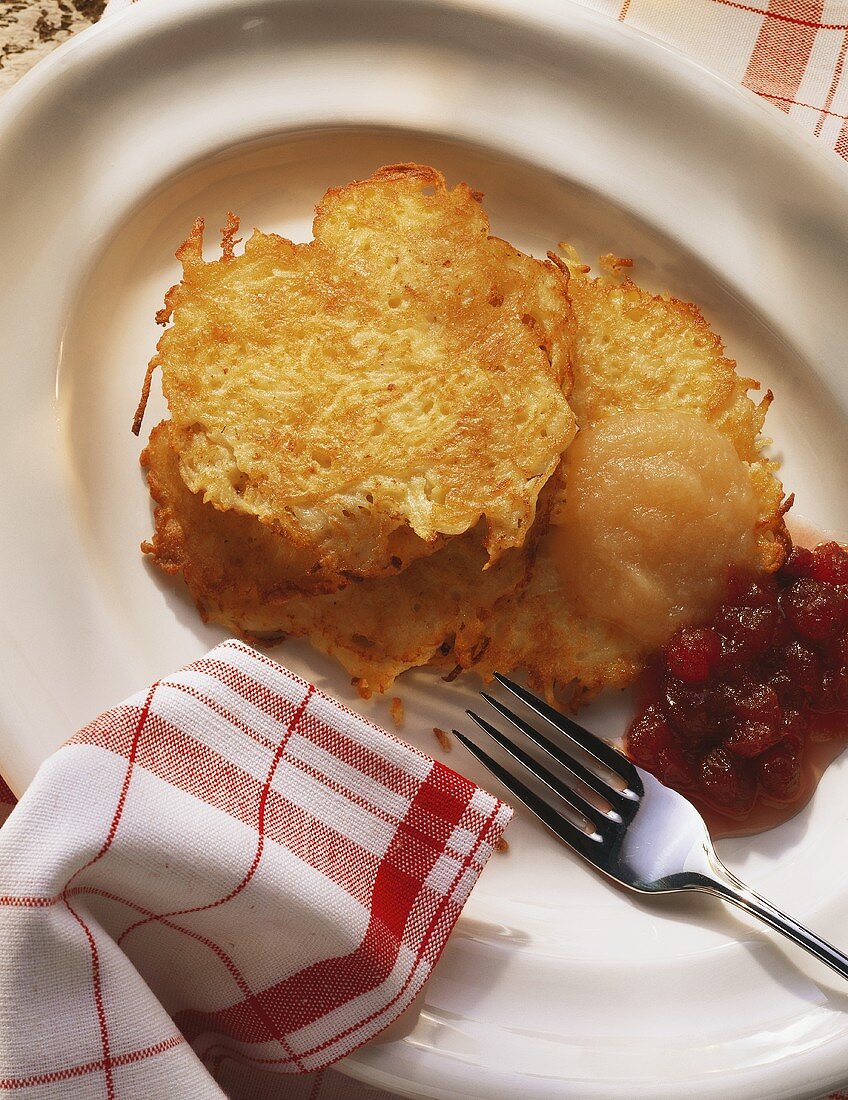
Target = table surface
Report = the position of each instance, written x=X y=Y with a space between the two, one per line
x=30 y=29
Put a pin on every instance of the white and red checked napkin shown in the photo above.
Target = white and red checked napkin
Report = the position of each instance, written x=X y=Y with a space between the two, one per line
x=227 y=880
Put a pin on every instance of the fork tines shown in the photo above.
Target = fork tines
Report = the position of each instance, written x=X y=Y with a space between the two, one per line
x=603 y=825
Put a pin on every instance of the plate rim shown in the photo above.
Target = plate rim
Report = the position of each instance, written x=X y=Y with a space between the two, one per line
x=147 y=16
x=152 y=16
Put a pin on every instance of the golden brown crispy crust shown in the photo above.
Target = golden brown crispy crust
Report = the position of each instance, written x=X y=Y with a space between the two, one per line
x=223 y=561
x=229 y=239
x=380 y=389
x=242 y=575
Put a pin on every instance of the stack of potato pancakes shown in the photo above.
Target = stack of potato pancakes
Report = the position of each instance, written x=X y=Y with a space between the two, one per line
x=412 y=444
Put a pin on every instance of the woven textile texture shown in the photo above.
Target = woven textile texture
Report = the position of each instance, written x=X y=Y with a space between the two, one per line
x=228 y=878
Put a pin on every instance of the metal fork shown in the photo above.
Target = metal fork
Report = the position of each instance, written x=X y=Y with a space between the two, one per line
x=640 y=833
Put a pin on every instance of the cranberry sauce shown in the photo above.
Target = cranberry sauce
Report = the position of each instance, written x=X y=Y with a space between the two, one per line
x=742 y=714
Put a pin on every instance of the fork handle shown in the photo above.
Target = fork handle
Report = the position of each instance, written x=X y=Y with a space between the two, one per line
x=726 y=885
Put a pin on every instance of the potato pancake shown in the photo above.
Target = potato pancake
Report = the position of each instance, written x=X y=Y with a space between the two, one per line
x=241 y=575
x=386 y=386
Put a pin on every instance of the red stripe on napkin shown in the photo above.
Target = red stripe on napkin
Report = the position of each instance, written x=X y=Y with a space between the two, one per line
x=271 y=872
x=782 y=50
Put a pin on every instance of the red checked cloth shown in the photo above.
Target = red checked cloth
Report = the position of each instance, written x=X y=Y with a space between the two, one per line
x=228 y=877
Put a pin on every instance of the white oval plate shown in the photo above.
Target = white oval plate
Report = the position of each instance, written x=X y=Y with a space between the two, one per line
x=554 y=983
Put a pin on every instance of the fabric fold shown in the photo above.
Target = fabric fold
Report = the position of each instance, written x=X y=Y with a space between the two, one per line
x=228 y=870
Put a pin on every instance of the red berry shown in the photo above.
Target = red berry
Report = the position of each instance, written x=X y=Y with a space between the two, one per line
x=741 y=696
x=795 y=722
x=811 y=609
x=833 y=694
x=651 y=743
x=779 y=772
x=782 y=634
x=727 y=781
x=837 y=651
x=687 y=711
x=788 y=691
x=752 y=738
x=723 y=697
x=802 y=666
x=759 y=722
x=748 y=630
x=798 y=563
x=760 y=704
x=693 y=653
x=830 y=564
